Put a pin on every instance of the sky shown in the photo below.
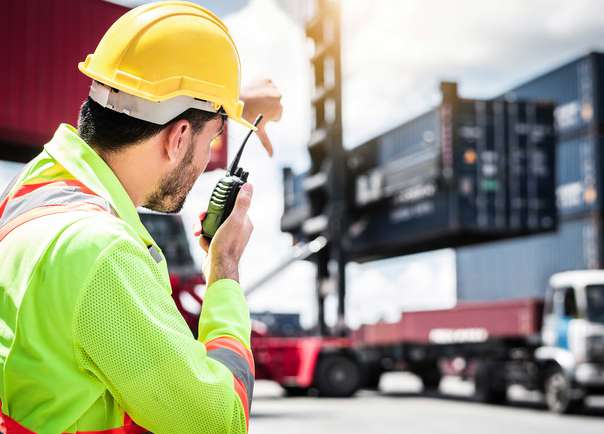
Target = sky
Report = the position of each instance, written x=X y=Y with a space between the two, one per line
x=394 y=55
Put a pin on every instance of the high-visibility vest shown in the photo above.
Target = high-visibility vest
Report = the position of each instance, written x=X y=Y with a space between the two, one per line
x=50 y=218
x=34 y=201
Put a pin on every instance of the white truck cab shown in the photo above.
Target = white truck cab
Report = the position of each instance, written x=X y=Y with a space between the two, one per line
x=572 y=351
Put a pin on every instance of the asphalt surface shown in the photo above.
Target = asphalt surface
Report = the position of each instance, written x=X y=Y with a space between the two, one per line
x=400 y=407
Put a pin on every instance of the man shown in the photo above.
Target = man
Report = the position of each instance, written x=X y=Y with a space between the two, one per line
x=91 y=340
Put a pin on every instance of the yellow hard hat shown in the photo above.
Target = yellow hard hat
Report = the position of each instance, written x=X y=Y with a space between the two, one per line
x=162 y=58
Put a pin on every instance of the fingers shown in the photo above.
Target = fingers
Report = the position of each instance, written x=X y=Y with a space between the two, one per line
x=198 y=229
x=264 y=139
x=276 y=116
x=204 y=244
x=242 y=203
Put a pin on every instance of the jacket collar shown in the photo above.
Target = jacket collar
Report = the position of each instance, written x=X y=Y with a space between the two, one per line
x=79 y=159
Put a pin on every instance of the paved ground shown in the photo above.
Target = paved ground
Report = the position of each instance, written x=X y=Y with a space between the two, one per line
x=401 y=408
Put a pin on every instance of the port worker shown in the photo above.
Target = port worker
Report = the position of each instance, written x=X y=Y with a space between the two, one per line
x=91 y=340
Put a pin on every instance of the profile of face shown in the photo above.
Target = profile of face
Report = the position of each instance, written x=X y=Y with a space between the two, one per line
x=173 y=188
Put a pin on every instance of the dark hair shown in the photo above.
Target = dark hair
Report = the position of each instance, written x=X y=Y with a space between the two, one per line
x=110 y=131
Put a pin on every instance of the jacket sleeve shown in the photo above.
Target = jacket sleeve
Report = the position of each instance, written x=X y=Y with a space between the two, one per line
x=130 y=335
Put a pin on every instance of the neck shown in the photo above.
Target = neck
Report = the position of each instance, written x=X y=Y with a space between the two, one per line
x=137 y=179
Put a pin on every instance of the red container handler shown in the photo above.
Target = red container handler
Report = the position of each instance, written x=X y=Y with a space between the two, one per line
x=291 y=362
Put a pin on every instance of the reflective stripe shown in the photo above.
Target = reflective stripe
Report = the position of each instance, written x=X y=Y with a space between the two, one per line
x=51 y=194
x=9 y=187
x=238 y=366
x=13 y=427
x=157 y=257
x=44 y=211
x=245 y=401
x=5 y=194
x=233 y=345
x=233 y=354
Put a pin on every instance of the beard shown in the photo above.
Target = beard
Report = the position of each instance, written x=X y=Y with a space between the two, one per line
x=173 y=188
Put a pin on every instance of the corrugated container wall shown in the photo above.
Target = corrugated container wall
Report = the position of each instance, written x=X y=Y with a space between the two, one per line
x=441 y=179
x=40 y=85
x=521 y=268
x=577 y=90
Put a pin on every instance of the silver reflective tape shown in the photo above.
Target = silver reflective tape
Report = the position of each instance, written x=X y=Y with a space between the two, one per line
x=238 y=366
x=155 y=254
x=49 y=195
x=8 y=189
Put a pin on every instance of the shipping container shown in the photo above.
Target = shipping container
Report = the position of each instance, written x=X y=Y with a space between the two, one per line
x=521 y=267
x=530 y=165
x=466 y=172
x=40 y=85
x=578 y=175
x=467 y=322
x=577 y=90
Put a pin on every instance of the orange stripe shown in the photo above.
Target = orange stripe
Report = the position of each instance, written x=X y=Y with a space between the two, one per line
x=28 y=188
x=241 y=392
x=13 y=427
x=233 y=345
x=3 y=205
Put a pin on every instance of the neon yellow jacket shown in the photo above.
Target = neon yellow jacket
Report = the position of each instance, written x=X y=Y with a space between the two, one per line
x=89 y=333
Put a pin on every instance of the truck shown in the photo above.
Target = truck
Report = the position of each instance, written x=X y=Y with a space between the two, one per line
x=553 y=345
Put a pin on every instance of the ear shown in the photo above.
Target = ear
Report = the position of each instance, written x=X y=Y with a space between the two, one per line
x=178 y=136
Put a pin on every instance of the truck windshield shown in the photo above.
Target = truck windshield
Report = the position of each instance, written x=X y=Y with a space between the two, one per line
x=595 y=303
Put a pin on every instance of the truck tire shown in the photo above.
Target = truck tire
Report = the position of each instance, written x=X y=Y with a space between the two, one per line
x=293 y=391
x=337 y=376
x=430 y=376
x=371 y=378
x=489 y=383
x=558 y=393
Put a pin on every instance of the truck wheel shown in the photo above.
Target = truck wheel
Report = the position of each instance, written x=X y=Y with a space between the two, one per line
x=371 y=377
x=292 y=391
x=489 y=384
x=430 y=376
x=558 y=393
x=338 y=377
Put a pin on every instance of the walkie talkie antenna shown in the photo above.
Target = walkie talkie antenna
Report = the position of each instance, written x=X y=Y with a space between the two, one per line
x=235 y=162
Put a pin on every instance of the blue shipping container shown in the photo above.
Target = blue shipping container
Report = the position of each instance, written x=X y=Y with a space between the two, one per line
x=521 y=267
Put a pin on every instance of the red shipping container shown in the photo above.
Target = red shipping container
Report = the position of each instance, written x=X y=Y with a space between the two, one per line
x=473 y=322
x=467 y=322
x=40 y=85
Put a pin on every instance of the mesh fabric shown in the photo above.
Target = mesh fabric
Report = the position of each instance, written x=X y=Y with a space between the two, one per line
x=131 y=337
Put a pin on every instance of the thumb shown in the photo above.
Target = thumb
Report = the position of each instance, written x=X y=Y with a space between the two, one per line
x=266 y=142
x=243 y=201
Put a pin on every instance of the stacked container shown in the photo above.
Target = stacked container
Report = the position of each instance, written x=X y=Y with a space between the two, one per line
x=521 y=267
x=466 y=172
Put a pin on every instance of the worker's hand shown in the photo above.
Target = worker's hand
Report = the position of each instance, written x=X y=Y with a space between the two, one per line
x=262 y=97
x=230 y=240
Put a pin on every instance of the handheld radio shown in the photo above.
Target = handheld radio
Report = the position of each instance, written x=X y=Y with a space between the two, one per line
x=225 y=193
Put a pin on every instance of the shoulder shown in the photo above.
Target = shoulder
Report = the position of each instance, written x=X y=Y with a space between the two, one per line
x=81 y=244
